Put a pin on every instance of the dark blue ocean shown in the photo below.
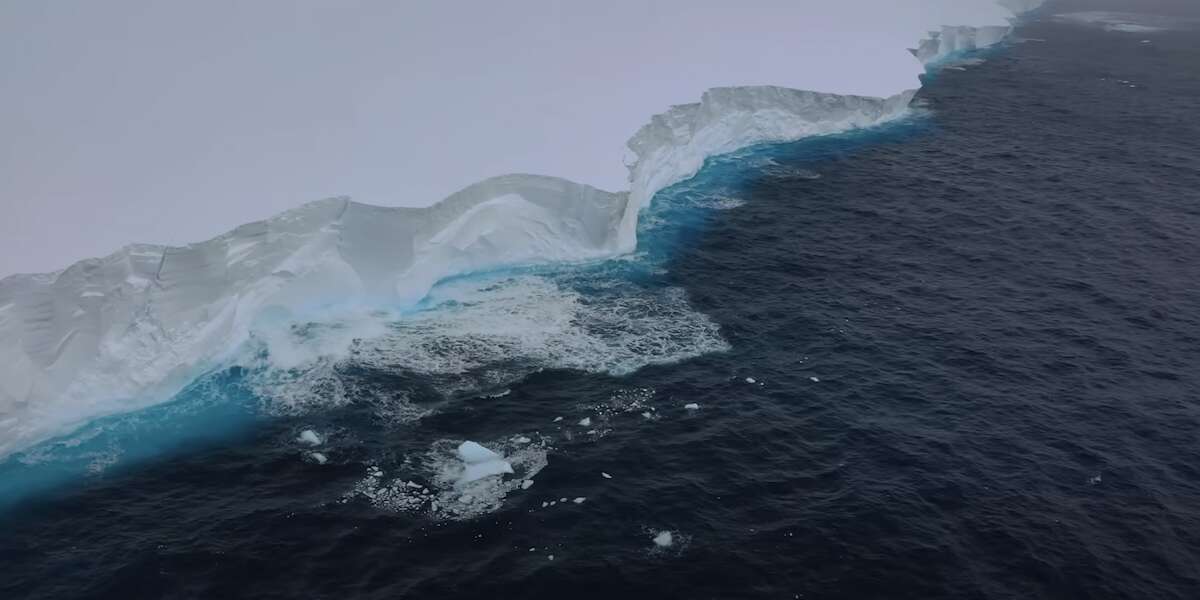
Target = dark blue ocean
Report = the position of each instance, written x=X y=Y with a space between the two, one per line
x=953 y=357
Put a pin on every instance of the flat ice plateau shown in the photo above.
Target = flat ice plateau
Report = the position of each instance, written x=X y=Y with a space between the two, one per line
x=126 y=331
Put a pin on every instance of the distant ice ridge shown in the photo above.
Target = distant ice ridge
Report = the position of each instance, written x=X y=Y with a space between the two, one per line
x=118 y=333
x=950 y=41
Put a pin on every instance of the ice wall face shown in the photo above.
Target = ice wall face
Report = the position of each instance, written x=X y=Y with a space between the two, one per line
x=953 y=40
x=674 y=145
x=118 y=333
x=113 y=334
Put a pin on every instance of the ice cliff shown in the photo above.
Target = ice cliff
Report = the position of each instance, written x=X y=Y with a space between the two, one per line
x=118 y=333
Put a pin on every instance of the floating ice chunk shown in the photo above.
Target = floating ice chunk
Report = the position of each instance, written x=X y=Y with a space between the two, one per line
x=471 y=453
x=664 y=539
x=692 y=406
x=523 y=440
x=481 y=462
x=647 y=415
x=551 y=557
x=750 y=380
x=579 y=500
x=585 y=422
x=1094 y=480
x=545 y=504
x=557 y=419
x=320 y=458
x=415 y=485
x=528 y=483
x=605 y=475
x=814 y=379
x=478 y=471
x=309 y=437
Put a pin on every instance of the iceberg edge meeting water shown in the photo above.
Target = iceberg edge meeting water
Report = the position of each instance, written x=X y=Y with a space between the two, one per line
x=129 y=330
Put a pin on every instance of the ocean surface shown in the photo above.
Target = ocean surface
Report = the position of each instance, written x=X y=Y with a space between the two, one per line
x=953 y=357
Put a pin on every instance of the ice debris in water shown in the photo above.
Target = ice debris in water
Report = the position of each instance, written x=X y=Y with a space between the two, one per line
x=320 y=458
x=449 y=491
x=579 y=500
x=664 y=539
x=557 y=419
x=750 y=380
x=814 y=379
x=481 y=462
x=585 y=422
x=605 y=475
x=1094 y=480
x=309 y=437
x=692 y=406
x=528 y=483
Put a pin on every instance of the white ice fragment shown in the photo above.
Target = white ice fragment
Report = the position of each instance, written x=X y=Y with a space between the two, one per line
x=320 y=458
x=472 y=453
x=692 y=406
x=647 y=415
x=545 y=504
x=523 y=440
x=605 y=475
x=750 y=380
x=551 y=557
x=309 y=437
x=480 y=462
x=585 y=422
x=664 y=539
x=557 y=419
x=814 y=379
x=528 y=483
x=413 y=484
x=562 y=500
x=477 y=471
x=579 y=500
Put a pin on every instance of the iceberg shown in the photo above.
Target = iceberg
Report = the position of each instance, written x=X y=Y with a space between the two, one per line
x=119 y=333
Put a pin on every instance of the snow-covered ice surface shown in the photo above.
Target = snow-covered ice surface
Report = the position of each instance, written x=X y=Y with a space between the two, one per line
x=312 y=284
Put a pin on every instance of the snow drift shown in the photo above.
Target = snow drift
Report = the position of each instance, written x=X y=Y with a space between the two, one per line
x=118 y=333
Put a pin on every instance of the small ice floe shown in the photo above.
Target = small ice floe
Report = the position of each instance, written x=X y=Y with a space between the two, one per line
x=605 y=475
x=664 y=539
x=545 y=504
x=309 y=437
x=751 y=380
x=523 y=440
x=557 y=419
x=319 y=458
x=480 y=462
x=1094 y=480
x=528 y=483
x=691 y=406
x=579 y=500
x=551 y=557
x=585 y=422
x=814 y=379
x=563 y=500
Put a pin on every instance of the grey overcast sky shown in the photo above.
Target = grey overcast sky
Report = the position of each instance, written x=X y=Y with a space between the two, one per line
x=171 y=122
